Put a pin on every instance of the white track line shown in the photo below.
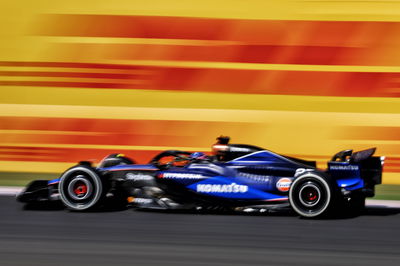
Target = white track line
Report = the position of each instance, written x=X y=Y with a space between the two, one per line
x=383 y=203
x=13 y=191
x=10 y=191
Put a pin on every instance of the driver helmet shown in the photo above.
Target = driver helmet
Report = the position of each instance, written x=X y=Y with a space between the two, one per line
x=220 y=148
x=198 y=156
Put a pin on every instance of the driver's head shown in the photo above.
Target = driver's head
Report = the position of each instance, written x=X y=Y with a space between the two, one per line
x=220 y=148
x=198 y=156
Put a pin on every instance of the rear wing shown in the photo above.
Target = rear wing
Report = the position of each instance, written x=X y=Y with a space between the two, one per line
x=353 y=157
x=370 y=166
x=363 y=155
x=371 y=169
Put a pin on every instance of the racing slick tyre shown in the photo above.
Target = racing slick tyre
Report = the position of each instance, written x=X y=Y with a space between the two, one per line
x=311 y=195
x=80 y=188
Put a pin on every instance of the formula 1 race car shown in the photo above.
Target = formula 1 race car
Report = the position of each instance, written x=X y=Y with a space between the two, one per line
x=235 y=177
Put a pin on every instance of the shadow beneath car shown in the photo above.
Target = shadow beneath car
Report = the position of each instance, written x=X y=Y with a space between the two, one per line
x=368 y=211
x=287 y=212
x=266 y=212
x=44 y=206
x=381 y=211
x=112 y=206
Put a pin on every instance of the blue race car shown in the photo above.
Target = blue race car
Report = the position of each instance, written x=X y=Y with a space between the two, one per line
x=236 y=177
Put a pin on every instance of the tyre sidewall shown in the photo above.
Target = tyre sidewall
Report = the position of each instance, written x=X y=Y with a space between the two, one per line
x=327 y=194
x=87 y=173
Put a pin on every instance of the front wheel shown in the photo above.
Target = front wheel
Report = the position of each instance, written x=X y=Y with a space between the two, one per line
x=80 y=188
x=310 y=195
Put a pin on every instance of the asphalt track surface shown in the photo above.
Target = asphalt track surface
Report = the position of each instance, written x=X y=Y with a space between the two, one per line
x=128 y=237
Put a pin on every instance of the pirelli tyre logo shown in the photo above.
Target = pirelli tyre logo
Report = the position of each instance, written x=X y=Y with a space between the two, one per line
x=218 y=188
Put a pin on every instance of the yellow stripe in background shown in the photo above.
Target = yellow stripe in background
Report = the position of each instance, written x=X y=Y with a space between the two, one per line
x=250 y=9
x=194 y=114
x=202 y=100
x=391 y=178
x=111 y=147
x=50 y=132
x=34 y=167
x=252 y=66
x=117 y=40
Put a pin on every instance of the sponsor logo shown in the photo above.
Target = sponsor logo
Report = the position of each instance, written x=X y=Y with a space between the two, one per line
x=344 y=167
x=142 y=201
x=181 y=176
x=256 y=178
x=138 y=177
x=212 y=188
x=300 y=171
x=283 y=184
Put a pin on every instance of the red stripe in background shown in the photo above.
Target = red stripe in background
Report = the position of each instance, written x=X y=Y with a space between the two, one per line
x=71 y=84
x=68 y=74
x=119 y=132
x=233 y=53
x=69 y=155
x=256 y=41
x=251 y=31
x=302 y=42
x=351 y=84
x=131 y=26
x=107 y=125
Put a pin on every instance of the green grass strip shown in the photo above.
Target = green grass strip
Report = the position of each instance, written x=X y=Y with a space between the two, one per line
x=22 y=179
x=387 y=192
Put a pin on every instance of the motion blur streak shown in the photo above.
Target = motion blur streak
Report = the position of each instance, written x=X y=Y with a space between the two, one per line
x=79 y=79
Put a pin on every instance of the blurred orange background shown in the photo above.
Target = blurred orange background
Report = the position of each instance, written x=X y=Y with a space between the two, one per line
x=81 y=79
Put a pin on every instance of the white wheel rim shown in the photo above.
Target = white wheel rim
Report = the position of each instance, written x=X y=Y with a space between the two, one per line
x=71 y=188
x=310 y=213
x=310 y=185
x=77 y=205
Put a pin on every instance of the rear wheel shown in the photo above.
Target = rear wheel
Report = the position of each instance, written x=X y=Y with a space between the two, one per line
x=310 y=195
x=80 y=188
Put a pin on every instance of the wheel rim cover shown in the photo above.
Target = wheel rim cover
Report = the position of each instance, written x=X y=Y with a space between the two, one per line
x=84 y=184
x=310 y=195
